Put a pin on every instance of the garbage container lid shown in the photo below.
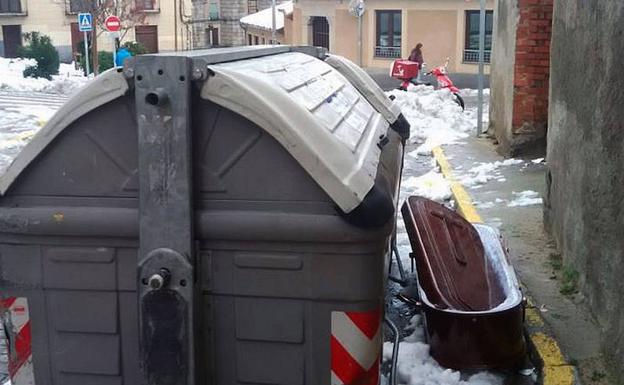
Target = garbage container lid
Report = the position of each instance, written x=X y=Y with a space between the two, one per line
x=103 y=89
x=313 y=111
x=366 y=86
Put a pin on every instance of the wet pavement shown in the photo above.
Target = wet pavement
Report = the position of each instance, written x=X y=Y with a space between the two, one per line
x=399 y=311
x=532 y=251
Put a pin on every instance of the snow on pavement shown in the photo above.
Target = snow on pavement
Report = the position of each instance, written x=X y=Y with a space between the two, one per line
x=417 y=367
x=434 y=116
x=12 y=79
x=27 y=103
x=484 y=172
x=432 y=185
x=525 y=198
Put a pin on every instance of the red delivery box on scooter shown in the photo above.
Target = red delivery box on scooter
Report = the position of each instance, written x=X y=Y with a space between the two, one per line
x=404 y=69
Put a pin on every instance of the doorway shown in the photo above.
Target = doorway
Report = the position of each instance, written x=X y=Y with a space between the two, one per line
x=12 y=40
x=212 y=36
x=147 y=35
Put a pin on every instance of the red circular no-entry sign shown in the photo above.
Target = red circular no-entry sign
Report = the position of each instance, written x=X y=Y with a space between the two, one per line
x=112 y=24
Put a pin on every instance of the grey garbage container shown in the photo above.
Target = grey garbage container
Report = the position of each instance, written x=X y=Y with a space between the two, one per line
x=214 y=217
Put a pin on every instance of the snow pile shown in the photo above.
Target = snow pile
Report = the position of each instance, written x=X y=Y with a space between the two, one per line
x=472 y=113
x=12 y=79
x=434 y=117
x=525 y=198
x=416 y=367
x=484 y=172
x=431 y=185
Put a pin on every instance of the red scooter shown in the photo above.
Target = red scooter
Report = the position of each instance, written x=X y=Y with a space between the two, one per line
x=444 y=81
x=408 y=71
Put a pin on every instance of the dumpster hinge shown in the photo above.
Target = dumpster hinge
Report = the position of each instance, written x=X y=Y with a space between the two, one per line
x=166 y=261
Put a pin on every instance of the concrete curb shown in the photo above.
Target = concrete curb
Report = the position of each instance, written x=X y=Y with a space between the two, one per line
x=555 y=369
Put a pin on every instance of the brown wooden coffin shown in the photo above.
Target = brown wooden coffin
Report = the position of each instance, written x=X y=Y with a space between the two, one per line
x=472 y=304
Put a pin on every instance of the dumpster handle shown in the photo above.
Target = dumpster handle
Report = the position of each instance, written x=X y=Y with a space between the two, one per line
x=395 y=350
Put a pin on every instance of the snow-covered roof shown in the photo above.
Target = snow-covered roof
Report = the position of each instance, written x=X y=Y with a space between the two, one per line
x=264 y=18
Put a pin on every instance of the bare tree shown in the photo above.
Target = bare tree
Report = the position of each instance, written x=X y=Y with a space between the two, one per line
x=130 y=12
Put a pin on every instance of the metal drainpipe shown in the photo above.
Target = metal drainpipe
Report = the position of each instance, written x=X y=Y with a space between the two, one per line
x=175 y=24
x=481 y=67
x=273 y=29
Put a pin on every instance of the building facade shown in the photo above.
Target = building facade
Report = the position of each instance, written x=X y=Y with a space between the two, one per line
x=391 y=29
x=217 y=22
x=158 y=24
x=520 y=75
x=258 y=27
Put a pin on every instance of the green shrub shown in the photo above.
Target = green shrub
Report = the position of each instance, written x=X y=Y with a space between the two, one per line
x=80 y=49
x=105 y=60
x=134 y=47
x=40 y=48
x=569 y=281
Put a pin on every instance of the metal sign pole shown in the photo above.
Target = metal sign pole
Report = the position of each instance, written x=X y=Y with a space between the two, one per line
x=95 y=58
x=273 y=29
x=114 y=50
x=481 y=68
x=86 y=45
x=360 y=40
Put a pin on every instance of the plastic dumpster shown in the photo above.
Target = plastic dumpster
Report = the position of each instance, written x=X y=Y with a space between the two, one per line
x=213 y=217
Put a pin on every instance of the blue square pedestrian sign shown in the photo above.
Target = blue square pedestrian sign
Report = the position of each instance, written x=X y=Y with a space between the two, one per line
x=85 y=22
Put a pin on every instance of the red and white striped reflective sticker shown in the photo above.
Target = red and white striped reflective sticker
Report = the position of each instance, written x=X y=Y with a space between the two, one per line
x=355 y=347
x=16 y=324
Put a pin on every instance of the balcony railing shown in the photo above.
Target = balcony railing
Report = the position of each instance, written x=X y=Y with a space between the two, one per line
x=472 y=56
x=388 y=52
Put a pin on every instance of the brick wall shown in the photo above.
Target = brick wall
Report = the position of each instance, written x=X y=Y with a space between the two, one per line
x=532 y=68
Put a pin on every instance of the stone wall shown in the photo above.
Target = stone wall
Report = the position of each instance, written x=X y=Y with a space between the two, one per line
x=502 y=70
x=520 y=74
x=230 y=12
x=584 y=205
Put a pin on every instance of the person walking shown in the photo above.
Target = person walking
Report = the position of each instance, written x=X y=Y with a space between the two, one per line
x=122 y=54
x=417 y=56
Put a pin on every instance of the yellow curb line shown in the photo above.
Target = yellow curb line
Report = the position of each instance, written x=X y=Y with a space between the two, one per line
x=556 y=370
x=462 y=198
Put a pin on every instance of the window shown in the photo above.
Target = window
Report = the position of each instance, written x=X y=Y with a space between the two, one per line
x=10 y=6
x=252 y=6
x=256 y=40
x=145 y=5
x=213 y=11
x=320 y=32
x=77 y=6
x=388 y=43
x=249 y=39
x=471 y=49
